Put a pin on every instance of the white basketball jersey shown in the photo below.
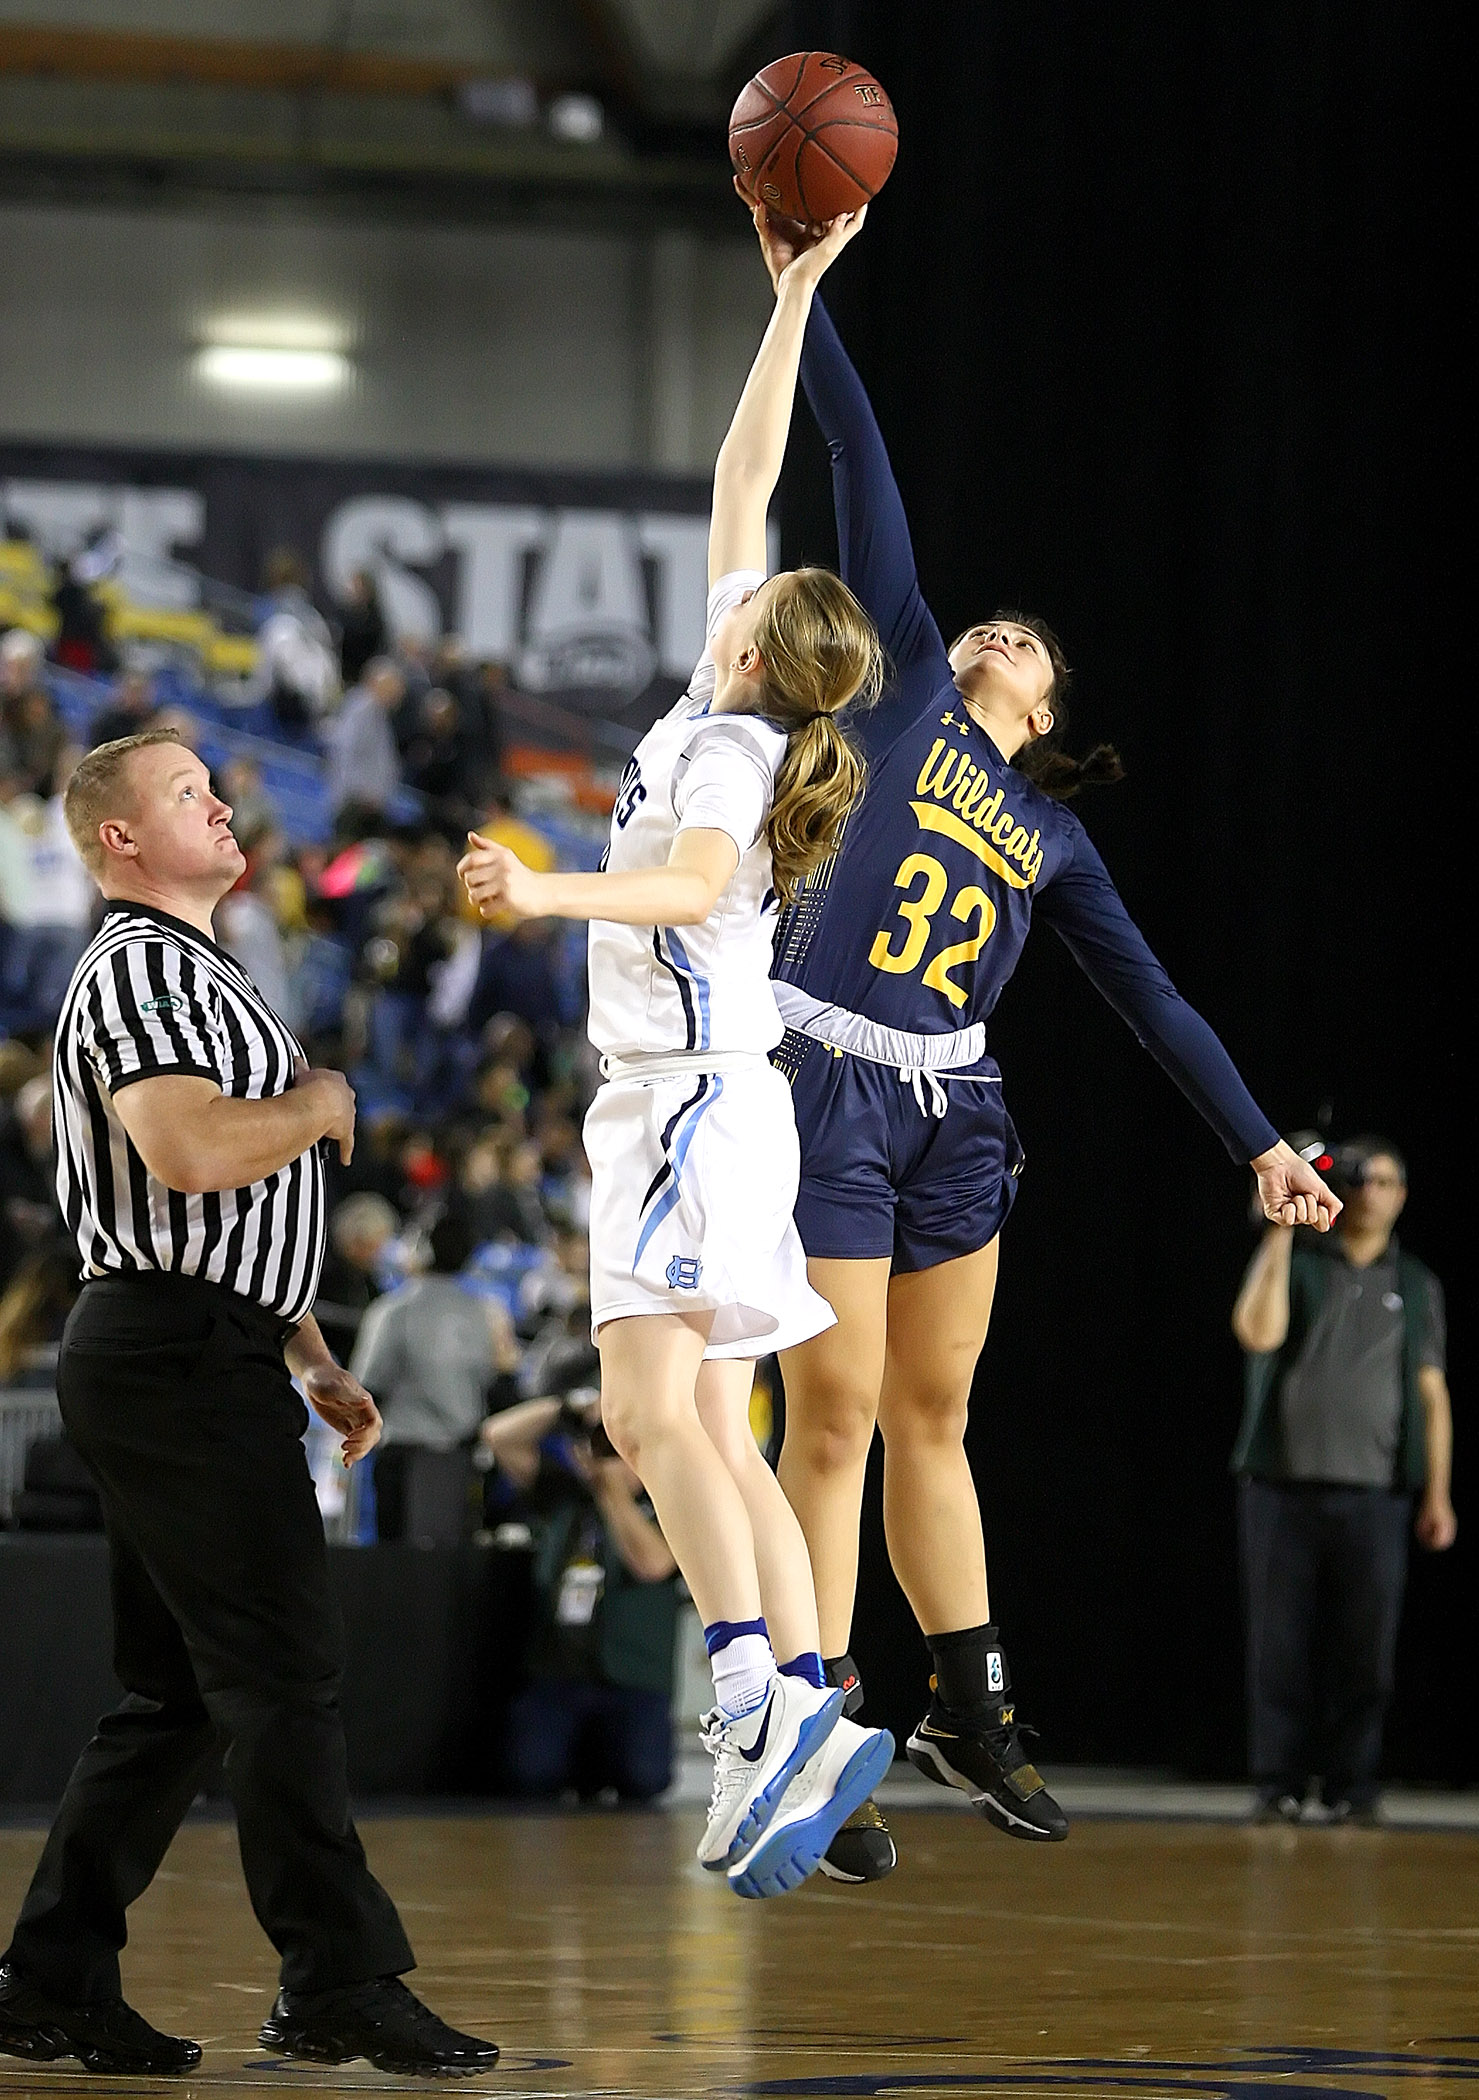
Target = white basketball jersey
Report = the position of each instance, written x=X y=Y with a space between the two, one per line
x=666 y=990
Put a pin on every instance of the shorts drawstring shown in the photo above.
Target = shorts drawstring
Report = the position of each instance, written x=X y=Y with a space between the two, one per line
x=938 y=1100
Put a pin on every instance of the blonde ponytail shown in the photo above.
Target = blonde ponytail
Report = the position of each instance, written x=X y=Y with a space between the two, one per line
x=821 y=654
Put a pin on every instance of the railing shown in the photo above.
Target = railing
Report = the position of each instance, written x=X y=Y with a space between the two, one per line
x=24 y=1416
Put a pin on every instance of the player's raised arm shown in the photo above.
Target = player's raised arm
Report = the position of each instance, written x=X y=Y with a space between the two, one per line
x=749 y=462
x=874 y=547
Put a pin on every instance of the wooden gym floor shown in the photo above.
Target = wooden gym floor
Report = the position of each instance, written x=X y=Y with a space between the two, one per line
x=1141 y=1958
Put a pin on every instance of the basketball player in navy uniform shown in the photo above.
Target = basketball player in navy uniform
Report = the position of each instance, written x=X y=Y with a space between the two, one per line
x=887 y=967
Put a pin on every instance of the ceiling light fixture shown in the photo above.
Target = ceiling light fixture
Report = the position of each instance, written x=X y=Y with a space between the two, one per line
x=258 y=368
x=576 y=120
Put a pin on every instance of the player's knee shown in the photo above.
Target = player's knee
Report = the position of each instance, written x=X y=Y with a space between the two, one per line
x=831 y=1434
x=622 y=1416
x=926 y=1411
x=638 y=1419
x=744 y=1467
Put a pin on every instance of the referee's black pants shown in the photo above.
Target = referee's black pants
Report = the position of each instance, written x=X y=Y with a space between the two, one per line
x=1324 y=1570
x=177 y=1396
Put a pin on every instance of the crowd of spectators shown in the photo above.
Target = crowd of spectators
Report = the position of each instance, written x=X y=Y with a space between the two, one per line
x=456 y=1279
x=463 y=1040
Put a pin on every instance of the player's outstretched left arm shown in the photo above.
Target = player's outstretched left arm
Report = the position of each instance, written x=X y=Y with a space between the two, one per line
x=1086 y=911
x=681 y=893
x=749 y=462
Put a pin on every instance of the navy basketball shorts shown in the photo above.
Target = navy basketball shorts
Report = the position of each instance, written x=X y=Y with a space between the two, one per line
x=882 y=1177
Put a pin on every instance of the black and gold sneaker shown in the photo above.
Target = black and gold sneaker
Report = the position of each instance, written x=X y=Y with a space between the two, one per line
x=863 y=1849
x=982 y=1755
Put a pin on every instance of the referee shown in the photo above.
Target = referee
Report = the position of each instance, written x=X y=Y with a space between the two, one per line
x=187 y=1134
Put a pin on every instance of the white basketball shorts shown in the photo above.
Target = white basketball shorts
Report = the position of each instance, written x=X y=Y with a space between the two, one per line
x=693 y=1178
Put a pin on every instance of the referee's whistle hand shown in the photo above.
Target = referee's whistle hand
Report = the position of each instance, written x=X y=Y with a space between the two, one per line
x=337 y=1102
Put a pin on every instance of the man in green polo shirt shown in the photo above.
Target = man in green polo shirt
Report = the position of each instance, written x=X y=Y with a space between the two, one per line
x=1347 y=1421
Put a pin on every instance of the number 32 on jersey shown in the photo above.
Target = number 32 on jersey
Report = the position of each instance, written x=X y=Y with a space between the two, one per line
x=968 y=905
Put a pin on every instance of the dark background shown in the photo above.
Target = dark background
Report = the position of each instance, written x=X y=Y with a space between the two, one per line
x=1157 y=311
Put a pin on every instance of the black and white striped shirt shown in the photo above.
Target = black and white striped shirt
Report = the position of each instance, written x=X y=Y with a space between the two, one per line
x=151 y=996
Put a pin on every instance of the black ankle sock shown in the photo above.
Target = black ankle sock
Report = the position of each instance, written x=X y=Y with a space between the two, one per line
x=970 y=1669
x=842 y=1671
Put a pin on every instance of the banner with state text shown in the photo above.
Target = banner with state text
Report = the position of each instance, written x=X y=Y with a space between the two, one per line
x=588 y=586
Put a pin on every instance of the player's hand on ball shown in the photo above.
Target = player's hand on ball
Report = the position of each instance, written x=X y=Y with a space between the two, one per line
x=835 y=236
x=811 y=262
x=781 y=240
x=339 y=1399
x=787 y=245
x=1291 y=1192
x=497 y=881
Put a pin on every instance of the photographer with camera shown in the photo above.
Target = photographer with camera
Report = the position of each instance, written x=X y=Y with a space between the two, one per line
x=597 y=1713
x=1347 y=1422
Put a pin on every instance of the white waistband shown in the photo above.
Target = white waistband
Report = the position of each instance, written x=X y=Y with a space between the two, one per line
x=681 y=1064
x=842 y=1030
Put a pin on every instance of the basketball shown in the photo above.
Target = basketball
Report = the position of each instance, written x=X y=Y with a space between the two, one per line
x=813 y=135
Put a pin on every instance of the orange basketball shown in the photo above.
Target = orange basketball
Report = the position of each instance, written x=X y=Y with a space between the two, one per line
x=813 y=135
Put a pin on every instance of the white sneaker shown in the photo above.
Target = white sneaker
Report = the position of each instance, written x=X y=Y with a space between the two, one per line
x=817 y=1803
x=757 y=1757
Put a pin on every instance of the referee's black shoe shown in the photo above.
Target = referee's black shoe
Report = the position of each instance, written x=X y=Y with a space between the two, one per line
x=982 y=1754
x=381 y=2021
x=108 y=2036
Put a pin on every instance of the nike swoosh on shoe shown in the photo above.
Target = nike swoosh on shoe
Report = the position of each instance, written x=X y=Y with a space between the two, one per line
x=753 y=1756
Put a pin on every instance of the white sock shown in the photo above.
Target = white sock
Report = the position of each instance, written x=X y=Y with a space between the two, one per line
x=743 y=1672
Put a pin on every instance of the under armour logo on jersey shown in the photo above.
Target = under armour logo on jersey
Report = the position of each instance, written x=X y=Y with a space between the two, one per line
x=683 y=1273
x=995 y=1674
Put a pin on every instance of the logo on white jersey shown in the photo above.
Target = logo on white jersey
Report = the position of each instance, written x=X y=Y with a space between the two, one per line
x=628 y=795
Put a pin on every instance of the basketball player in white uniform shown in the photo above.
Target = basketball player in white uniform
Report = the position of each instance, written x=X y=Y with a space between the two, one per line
x=696 y=1267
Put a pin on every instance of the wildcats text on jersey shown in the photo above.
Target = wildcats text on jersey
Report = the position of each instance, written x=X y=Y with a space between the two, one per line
x=954 y=798
x=982 y=826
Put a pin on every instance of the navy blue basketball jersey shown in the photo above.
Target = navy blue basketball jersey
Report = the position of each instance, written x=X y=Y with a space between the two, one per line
x=918 y=921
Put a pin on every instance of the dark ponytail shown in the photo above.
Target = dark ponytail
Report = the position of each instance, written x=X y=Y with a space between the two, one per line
x=1060 y=775
x=1043 y=761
